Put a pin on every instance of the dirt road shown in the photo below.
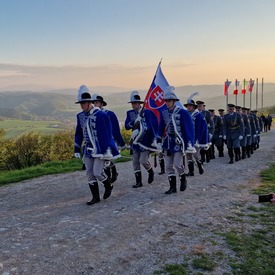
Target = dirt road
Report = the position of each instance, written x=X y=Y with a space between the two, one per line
x=47 y=228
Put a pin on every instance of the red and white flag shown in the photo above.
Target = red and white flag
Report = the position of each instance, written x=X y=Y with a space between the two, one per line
x=226 y=86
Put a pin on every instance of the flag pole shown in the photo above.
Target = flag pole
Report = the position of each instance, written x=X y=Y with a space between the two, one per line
x=244 y=93
x=236 y=92
x=250 y=93
x=257 y=93
x=262 y=93
x=226 y=99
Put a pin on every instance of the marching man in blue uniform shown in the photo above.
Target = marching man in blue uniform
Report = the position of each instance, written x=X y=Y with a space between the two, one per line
x=201 y=137
x=144 y=126
x=175 y=137
x=95 y=130
x=99 y=102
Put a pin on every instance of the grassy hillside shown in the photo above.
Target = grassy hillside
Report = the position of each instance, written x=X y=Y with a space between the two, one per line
x=15 y=127
x=61 y=104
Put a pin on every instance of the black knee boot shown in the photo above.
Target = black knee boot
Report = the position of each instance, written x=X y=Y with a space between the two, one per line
x=200 y=167
x=247 y=151
x=231 y=156
x=207 y=155
x=150 y=175
x=108 y=188
x=114 y=173
x=95 y=192
x=162 y=166
x=243 y=152
x=191 y=169
x=202 y=155
x=183 y=182
x=173 y=185
x=220 y=149
x=236 y=152
x=138 y=179
x=107 y=171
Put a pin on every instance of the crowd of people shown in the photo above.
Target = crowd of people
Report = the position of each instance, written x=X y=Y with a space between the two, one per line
x=181 y=137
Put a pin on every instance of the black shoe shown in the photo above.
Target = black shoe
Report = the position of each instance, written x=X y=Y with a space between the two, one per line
x=93 y=201
x=190 y=174
x=137 y=185
x=231 y=161
x=161 y=172
x=171 y=190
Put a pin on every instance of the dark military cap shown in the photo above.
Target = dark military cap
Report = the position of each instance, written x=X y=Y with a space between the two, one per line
x=191 y=102
x=244 y=108
x=221 y=110
x=230 y=105
x=199 y=102
x=211 y=110
x=238 y=107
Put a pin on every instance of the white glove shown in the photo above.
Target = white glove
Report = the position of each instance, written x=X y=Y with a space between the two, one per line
x=220 y=136
x=159 y=147
x=134 y=133
x=224 y=137
x=248 y=135
x=210 y=136
x=77 y=155
x=254 y=136
x=138 y=119
x=190 y=149
x=240 y=137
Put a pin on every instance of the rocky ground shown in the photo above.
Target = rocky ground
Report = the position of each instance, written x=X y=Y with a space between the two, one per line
x=47 y=228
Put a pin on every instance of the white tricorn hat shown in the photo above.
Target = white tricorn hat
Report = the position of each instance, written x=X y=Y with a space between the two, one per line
x=170 y=94
x=83 y=94
x=135 y=97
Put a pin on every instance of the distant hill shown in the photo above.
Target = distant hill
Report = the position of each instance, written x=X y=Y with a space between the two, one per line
x=61 y=103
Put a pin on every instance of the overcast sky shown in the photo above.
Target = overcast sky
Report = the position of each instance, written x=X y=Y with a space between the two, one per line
x=66 y=43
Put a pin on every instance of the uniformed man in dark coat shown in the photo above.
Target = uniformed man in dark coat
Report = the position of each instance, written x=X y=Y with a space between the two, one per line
x=205 y=154
x=221 y=114
x=234 y=132
x=248 y=133
x=217 y=138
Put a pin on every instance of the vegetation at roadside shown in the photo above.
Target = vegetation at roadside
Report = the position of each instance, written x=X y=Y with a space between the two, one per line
x=252 y=239
x=34 y=154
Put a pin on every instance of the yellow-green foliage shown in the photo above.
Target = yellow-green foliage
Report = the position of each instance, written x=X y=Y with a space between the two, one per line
x=62 y=146
x=126 y=134
x=31 y=149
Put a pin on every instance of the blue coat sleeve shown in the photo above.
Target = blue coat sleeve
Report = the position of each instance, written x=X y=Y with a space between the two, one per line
x=78 y=137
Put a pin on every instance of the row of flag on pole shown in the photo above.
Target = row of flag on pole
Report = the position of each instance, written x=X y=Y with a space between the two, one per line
x=246 y=86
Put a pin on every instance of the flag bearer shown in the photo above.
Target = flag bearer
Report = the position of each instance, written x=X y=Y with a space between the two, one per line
x=175 y=137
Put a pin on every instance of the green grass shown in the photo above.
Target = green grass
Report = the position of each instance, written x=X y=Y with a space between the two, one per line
x=254 y=249
x=16 y=127
x=54 y=167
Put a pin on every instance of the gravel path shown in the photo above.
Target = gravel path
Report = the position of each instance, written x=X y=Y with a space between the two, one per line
x=47 y=228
